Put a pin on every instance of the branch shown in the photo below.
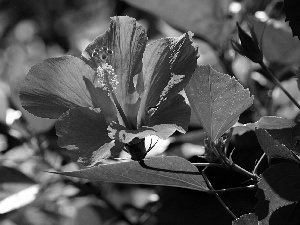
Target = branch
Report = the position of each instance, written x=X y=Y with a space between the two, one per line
x=216 y=194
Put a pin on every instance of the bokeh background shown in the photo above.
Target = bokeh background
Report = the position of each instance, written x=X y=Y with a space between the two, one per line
x=31 y=31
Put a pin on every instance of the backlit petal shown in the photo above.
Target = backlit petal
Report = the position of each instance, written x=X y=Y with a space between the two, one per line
x=83 y=131
x=168 y=65
x=127 y=39
x=173 y=114
x=56 y=85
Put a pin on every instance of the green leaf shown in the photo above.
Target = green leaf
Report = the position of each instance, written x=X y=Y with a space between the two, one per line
x=278 y=190
x=56 y=85
x=265 y=122
x=247 y=219
x=17 y=189
x=206 y=18
x=280 y=143
x=277 y=42
x=217 y=99
x=168 y=171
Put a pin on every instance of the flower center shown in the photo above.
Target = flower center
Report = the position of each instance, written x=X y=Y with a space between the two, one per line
x=105 y=75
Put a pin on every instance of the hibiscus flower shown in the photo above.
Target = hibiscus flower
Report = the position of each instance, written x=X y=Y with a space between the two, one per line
x=118 y=92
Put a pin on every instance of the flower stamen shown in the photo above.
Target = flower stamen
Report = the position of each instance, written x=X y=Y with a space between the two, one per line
x=105 y=75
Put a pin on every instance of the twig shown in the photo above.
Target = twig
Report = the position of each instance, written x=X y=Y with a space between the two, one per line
x=246 y=188
x=276 y=82
x=240 y=170
x=209 y=164
x=258 y=164
x=216 y=194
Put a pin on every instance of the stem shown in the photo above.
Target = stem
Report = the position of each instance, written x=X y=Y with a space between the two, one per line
x=258 y=164
x=276 y=82
x=228 y=140
x=114 y=97
x=209 y=164
x=240 y=170
x=216 y=194
x=246 y=188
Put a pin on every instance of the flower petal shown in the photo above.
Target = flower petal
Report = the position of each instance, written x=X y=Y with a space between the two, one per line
x=101 y=99
x=83 y=130
x=56 y=85
x=173 y=114
x=168 y=65
x=127 y=39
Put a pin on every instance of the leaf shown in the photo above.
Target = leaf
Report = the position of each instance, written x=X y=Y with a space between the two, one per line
x=168 y=171
x=207 y=18
x=217 y=99
x=291 y=9
x=294 y=217
x=279 y=187
x=278 y=44
x=281 y=142
x=265 y=122
x=17 y=189
x=273 y=148
x=247 y=219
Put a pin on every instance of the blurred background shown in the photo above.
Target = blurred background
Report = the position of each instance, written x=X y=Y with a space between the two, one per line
x=31 y=31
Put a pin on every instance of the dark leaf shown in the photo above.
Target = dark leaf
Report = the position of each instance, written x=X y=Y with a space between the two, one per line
x=273 y=144
x=248 y=219
x=294 y=217
x=56 y=85
x=279 y=187
x=83 y=131
x=292 y=8
x=168 y=171
x=217 y=99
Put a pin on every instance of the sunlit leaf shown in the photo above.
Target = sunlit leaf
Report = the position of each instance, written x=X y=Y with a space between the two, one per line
x=217 y=99
x=17 y=189
x=168 y=171
x=207 y=18
x=265 y=122
x=248 y=219
x=278 y=190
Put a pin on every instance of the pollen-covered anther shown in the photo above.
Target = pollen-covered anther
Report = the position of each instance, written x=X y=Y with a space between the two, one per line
x=106 y=78
x=100 y=55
